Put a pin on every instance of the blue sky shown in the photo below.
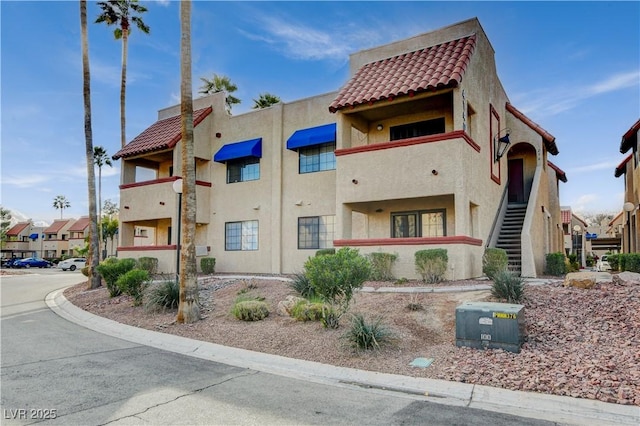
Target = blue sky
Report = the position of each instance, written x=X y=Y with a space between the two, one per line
x=572 y=67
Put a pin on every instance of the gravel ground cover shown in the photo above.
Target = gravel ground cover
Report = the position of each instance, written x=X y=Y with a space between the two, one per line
x=580 y=343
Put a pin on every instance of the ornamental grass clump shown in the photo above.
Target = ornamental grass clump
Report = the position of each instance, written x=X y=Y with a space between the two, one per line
x=250 y=310
x=301 y=285
x=309 y=310
x=162 y=295
x=508 y=286
x=365 y=335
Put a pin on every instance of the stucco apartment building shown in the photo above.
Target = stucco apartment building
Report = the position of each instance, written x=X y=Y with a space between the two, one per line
x=630 y=168
x=406 y=156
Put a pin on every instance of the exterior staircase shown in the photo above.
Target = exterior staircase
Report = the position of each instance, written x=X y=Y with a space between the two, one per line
x=509 y=238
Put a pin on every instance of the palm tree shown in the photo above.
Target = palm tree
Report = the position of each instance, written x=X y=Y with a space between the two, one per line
x=265 y=101
x=220 y=83
x=61 y=203
x=94 y=278
x=100 y=158
x=5 y=223
x=109 y=227
x=188 y=309
x=121 y=13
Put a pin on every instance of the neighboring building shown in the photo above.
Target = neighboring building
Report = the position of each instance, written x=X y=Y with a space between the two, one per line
x=56 y=238
x=23 y=240
x=413 y=153
x=78 y=232
x=575 y=238
x=630 y=167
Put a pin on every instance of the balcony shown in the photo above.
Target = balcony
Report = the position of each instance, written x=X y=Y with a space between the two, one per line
x=156 y=199
x=407 y=168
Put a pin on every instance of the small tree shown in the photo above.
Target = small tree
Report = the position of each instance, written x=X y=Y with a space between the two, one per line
x=335 y=277
x=5 y=223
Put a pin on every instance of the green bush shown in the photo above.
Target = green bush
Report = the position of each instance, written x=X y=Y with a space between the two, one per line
x=306 y=310
x=335 y=277
x=208 y=265
x=250 y=310
x=508 y=286
x=149 y=264
x=614 y=261
x=556 y=265
x=301 y=285
x=113 y=268
x=431 y=264
x=323 y=252
x=162 y=295
x=133 y=283
x=364 y=335
x=382 y=265
x=494 y=260
x=628 y=262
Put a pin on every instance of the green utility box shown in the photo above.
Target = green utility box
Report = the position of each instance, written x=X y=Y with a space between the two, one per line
x=485 y=325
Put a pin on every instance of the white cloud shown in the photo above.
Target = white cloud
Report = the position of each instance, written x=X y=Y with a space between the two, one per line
x=554 y=100
x=602 y=165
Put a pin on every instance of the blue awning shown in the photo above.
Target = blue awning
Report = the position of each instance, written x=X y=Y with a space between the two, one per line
x=33 y=236
x=312 y=136
x=232 y=151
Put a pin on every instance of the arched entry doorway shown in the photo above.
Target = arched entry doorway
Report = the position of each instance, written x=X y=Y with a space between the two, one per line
x=521 y=169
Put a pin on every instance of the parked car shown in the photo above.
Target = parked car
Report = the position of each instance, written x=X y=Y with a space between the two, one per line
x=10 y=263
x=32 y=262
x=603 y=264
x=72 y=263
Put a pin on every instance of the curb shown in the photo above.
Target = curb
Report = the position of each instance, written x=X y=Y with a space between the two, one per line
x=566 y=410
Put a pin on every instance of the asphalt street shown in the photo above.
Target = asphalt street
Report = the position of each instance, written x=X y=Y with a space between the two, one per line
x=55 y=371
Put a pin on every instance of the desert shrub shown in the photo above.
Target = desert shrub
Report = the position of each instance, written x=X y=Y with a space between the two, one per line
x=162 y=295
x=133 y=283
x=149 y=264
x=414 y=302
x=628 y=262
x=508 y=286
x=111 y=269
x=250 y=310
x=85 y=271
x=556 y=264
x=302 y=286
x=335 y=277
x=308 y=310
x=382 y=265
x=401 y=281
x=363 y=334
x=431 y=264
x=494 y=260
x=614 y=261
x=208 y=265
x=325 y=251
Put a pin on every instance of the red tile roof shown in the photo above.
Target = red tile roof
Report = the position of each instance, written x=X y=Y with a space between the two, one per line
x=163 y=134
x=80 y=225
x=549 y=139
x=431 y=68
x=630 y=138
x=622 y=167
x=561 y=175
x=17 y=228
x=566 y=216
x=56 y=226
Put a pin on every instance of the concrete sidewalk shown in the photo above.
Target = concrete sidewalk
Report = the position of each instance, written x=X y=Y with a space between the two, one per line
x=560 y=409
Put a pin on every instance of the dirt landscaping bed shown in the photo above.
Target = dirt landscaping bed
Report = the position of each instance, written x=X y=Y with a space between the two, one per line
x=580 y=343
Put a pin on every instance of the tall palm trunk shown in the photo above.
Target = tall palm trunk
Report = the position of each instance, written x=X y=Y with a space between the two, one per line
x=100 y=257
x=188 y=309
x=94 y=278
x=123 y=87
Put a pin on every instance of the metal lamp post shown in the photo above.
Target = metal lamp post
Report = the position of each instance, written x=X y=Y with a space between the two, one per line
x=577 y=229
x=177 y=188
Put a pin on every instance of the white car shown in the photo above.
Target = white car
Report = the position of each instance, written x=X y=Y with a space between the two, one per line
x=72 y=263
x=603 y=264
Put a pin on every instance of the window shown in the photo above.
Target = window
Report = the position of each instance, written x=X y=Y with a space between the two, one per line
x=316 y=232
x=428 y=223
x=243 y=169
x=421 y=128
x=317 y=158
x=241 y=235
